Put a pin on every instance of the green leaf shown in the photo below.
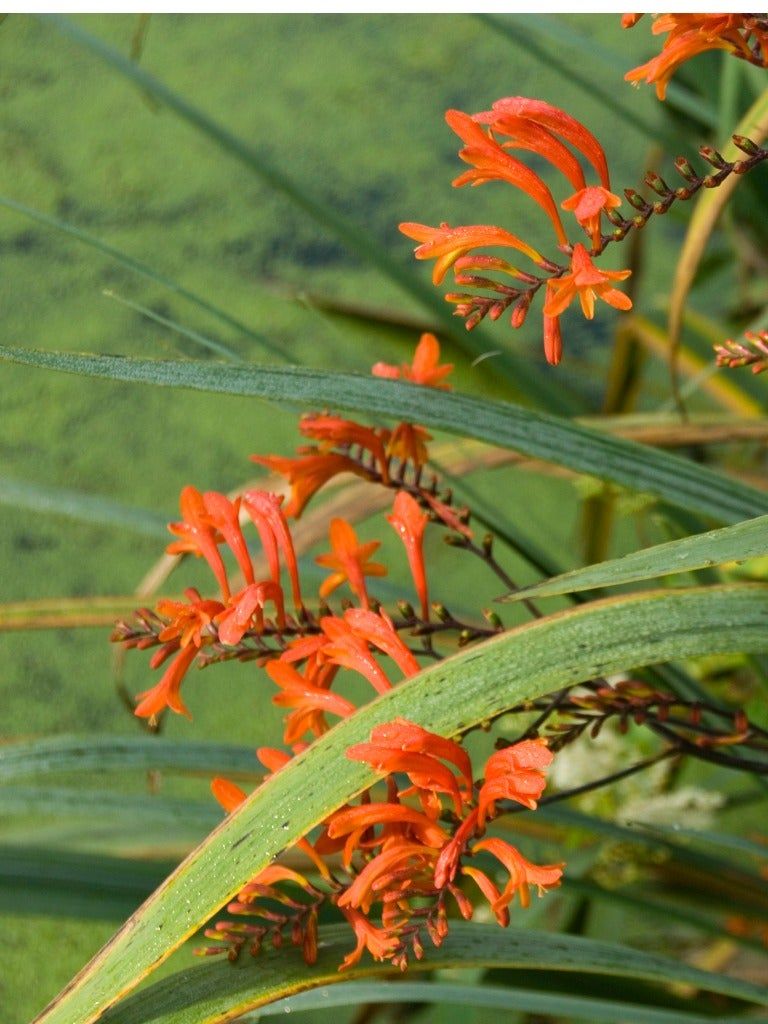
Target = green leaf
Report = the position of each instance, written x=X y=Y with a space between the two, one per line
x=472 y=687
x=35 y=880
x=525 y=378
x=537 y=434
x=217 y=992
x=96 y=803
x=87 y=508
x=730 y=544
x=567 y=1005
x=125 y=754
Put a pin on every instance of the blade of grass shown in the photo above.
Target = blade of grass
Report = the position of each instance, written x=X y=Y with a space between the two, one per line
x=87 y=508
x=474 y=686
x=99 y=754
x=525 y=380
x=566 y=1005
x=537 y=434
x=716 y=547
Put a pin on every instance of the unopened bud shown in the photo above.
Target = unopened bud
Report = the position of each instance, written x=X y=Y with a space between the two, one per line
x=441 y=612
x=406 y=610
x=488 y=545
x=492 y=618
x=659 y=186
x=713 y=157
x=746 y=145
x=635 y=199
x=684 y=168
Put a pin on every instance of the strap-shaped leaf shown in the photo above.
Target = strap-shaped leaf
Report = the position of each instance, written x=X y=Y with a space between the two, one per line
x=55 y=754
x=469 y=688
x=730 y=544
x=537 y=434
x=217 y=992
x=565 y=1004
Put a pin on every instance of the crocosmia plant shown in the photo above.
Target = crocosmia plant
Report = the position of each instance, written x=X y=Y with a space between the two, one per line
x=470 y=685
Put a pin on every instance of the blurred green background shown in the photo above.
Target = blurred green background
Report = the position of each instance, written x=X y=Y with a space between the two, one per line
x=351 y=108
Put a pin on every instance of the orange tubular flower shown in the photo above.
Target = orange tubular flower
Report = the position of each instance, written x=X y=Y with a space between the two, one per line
x=425 y=368
x=333 y=430
x=227 y=794
x=586 y=281
x=349 y=560
x=587 y=206
x=692 y=34
x=515 y=773
x=506 y=114
x=223 y=515
x=247 y=609
x=409 y=523
x=308 y=473
x=346 y=649
x=446 y=244
x=269 y=519
x=492 y=163
x=166 y=694
x=379 y=631
x=304 y=695
x=522 y=873
x=198 y=535
x=381 y=943
x=402 y=746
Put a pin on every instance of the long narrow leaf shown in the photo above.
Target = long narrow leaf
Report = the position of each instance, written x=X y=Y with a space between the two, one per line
x=88 y=508
x=537 y=434
x=63 y=754
x=730 y=544
x=565 y=1004
x=215 y=993
x=472 y=687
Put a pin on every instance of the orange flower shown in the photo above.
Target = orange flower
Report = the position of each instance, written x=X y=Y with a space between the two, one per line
x=515 y=773
x=308 y=474
x=198 y=535
x=522 y=873
x=303 y=694
x=446 y=244
x=492 y=163
x=402 y=746
x=349 y=560
x=553 y=340
x=379 y=631
x=344 y=648
x=408 y=442
x=401 y=862
x=189 y=620
x=190 y=628
x=425 y=368
x=227 y=794
x=490 y=891
x=333 y=430
x=410 y=522
x=266 y=514
x=223 y=515
x=587 y=206
x=399 y=822
x=246 y=611
x=586 y=281
x=167 y=693
x=381 y=943
x=505 y=117
x=692 y=34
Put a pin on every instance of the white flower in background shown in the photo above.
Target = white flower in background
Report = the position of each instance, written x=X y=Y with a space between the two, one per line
x=687 y=807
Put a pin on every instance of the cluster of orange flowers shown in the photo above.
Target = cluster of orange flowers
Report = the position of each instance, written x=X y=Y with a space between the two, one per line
x=688 y=35
x=406 y=854
x=528 y=124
